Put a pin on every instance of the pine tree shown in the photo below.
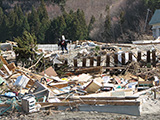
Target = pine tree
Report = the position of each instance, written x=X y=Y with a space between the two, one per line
x=42 y=32
x=59 y=2
x=121 y=21
x=45 y=22
x=76 y=30
x=56 y=29
x=11 y=19
x=0 y=3
x=68 y=20
x=1 y=21
x=42 y=12
x=5 y=29
x=61 y=25
x=152 y=4
x=25 y=50
x=19 y=13
x=72 y=25
x=82 y=25
x=16 y=19
x=90 y=26
x=1 y=15
x=107 y=27
x=34 y=22
x=25 y=25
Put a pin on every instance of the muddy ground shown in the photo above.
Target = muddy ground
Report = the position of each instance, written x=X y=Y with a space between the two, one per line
x=46 y=115
x=149 y=110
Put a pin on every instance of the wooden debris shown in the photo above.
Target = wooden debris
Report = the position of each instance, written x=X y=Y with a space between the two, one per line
x=94 y=70
x=49 y=72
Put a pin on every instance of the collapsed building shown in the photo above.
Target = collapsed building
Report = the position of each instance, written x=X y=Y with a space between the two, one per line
x=95 y=77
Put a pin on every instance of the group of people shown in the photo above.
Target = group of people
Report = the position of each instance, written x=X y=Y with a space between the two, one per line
x=63 y=44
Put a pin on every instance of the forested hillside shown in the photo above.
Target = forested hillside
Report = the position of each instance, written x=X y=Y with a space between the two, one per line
x=104 y=20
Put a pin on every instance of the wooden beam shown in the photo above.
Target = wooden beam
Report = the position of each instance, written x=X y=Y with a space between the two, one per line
x=148 y=56
x=109 y=102
x=154 y=58
x=75 y=62
x=104 y=67
x=3 y=60
x=108 y=60
x=101 y=98
x=139 y=56
x=91 y=102
x=116 y=59
x=130 y=57
x=98 y=60
x=91 y=61
x=97 y=69
x=84 y=62
x=123 y=58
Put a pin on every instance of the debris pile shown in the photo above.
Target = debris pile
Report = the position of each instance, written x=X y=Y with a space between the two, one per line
x=84 y=88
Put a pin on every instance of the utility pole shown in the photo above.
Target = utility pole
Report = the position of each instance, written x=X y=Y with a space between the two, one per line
x=148 y=10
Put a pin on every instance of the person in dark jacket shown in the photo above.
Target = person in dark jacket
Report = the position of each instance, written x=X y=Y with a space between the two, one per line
x=64 y=45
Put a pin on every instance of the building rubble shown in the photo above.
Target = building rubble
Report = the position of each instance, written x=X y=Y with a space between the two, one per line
x=82 y=86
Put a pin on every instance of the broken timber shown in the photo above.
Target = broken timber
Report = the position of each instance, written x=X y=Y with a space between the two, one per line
x=101 y=98
x=91 y=102
x=150 y=59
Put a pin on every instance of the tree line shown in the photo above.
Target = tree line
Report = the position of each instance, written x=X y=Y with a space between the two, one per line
x=15 y=22
x=152 y=4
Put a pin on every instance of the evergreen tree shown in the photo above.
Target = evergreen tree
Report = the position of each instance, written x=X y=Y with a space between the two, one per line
x=42 y=12
x=107 y=27
x=68 y=20
x=19 y=13
x=0 y=3
x=25 y=25
x=152 y=4
x=1 y=15
x=56 y=29
x=42 y=32
x=1 y=21
x=61 y=26
x=82 y=25
x=121 y=21
x=5 y=29
x=25 y=50
x=45 y=22
x=76 y=30
x=59 y=2
x=72 y=25
x=17 y=26
x=11 y=21
x=34 y=22
x=18 y=21
x=90 y=26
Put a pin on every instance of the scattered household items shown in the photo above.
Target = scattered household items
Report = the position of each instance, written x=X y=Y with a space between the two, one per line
x=21 y=81
x=106 y=81
x=29 y=104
